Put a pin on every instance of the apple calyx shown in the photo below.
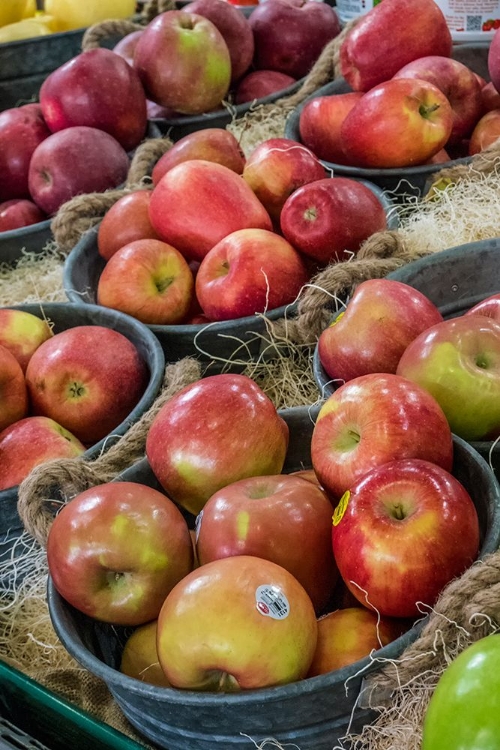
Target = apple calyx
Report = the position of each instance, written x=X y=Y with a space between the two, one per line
x=310 y=214
x=76 y=390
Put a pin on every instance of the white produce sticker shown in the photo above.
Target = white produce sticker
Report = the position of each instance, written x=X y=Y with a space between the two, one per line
x=272 y=602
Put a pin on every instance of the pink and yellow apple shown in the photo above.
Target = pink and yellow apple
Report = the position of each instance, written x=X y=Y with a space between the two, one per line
x=485 y=133
x=13 y=391
x=22 y=333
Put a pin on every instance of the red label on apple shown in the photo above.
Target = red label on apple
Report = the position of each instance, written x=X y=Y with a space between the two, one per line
x=341 y=508
x=272 y=602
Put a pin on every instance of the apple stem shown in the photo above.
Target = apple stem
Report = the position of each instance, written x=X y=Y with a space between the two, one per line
x=427 y=111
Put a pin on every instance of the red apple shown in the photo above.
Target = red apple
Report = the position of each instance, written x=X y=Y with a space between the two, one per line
x=261 y=83
x=211 y=144
x=320 y=121
x=413 y=122
x=28 y=443
x=19 y=212
x=457 y=82
x=494 y=60
x=22 y=333
x=74 y=161
x=214 y=432
x=13 y=391
x=266 y=637
x=490 y=97
x=139 y=657
x=98 y=89
x=235 y=29
x=126 y=46
x=22 y=129
x=249 y=271
x=183 y=62
x=381 y=318
x=458 y=362
x=489 y=307
x=149 y=280
x=116 y=550
x=389 y=36
x=440 y=158
x=485 y=133
x=414 y=528
x=372 y=420
x=210 y=200
x=86 y=378
x=126 y=221
x=282 y=518
x=329 y=219
x=305 y=27
x=276 y=168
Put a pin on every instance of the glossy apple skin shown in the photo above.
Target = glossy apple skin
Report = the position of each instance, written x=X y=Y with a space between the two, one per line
x=305 y=28
x=330 y=218
x=241 y=648
x=210 y=144
x=214 y=432
x=260 y=83
x=374 y=419
x=320 y=121
x=183 y=62
x=489 y=307
x=414 y=528
x=75 y=161
x=13 y=392
x=380 y=320
x=126 y=221
x=22 y=333
x=22 y=129
x=282 y=518
x=139 y=658
x=211 y=202
x=369 y=56
x=347 y=635
x=457 y=82
x=490 y=97
x=126 y=46
x=98 y=89
x=28 y=443
x=486 y=132
x=248 y=272
x=149 y=280
x=116 y=550
x=458 y=362
x=494 y=60
x=19 y=212
x=276 y=168
x=398 y=123
x=86 y=378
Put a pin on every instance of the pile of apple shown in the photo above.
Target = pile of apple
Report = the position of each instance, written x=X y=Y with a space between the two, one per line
x=411 y=103
x=253 y=597
x=56 y=400
x=220 y=237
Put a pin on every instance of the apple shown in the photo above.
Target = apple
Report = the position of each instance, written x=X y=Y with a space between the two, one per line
x=388 y=37
x=458 y=362
x=320 y=121
x=249 y=271
x=22 y=129
x=441 y=157
x=139 y=657
x=74 y=161
x=422 y=107
x=305 y=28
x=414 y=528
x=265 y=637
x=211 y=144
x=457 y=82
x=126 y=46
x=490 y=97
x=126 y=221
x=210 y=200
x=28 y=443
x=277 y=167
x=347 y=635
x=98 y=89
x=149 y=280
x=116 y=550
x=489 y=307
x=381 y=318
x=19 y=212
x=86 y=378
x=485 y=133
x=261 y=83
x=494 y=60
x=235 y=29
x=282 y=518
x=22 y=333
x=13 y=392
x=183 y=62
x=372 y=420
x=214 y=432
x=330 y=218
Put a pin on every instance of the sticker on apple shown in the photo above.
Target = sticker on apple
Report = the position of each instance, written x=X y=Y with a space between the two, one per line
x=341 y=508
x=272 y=602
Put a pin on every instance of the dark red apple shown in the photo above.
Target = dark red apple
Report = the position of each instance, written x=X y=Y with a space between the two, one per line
x=126 y=46
x=19 y=212
x=22 y=129
x=261 y=83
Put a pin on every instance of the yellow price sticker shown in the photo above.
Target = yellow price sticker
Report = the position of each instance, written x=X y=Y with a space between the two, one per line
x=341 y=508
